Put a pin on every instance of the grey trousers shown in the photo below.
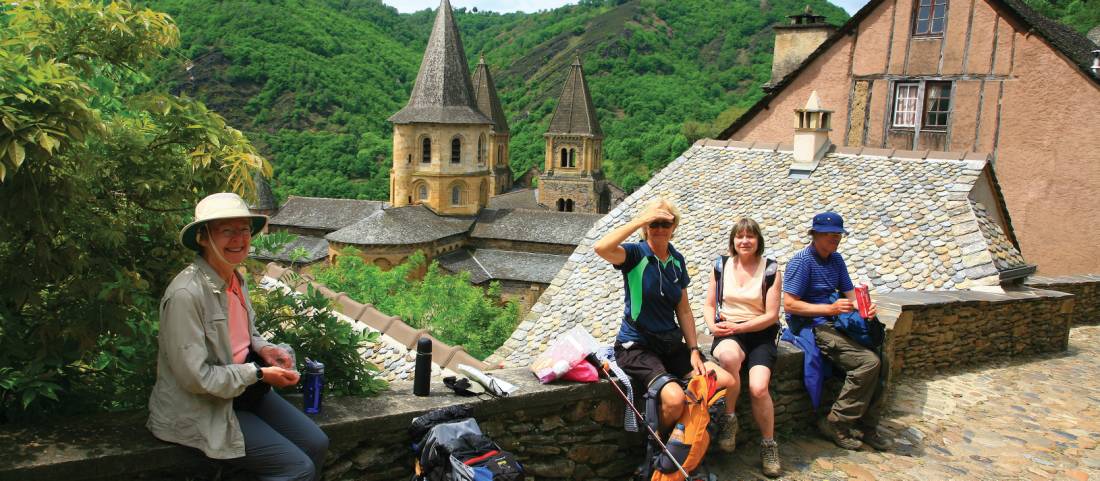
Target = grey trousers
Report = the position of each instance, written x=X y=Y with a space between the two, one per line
x=857 y=402
x=281 y=443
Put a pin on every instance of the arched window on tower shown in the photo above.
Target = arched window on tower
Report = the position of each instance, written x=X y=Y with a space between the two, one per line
x=456 y=150
x=569 y=205
x=426 y=151
x=561 y=205
x=422 y=193
x=457 y=195
x=564 y=158
x=481 y=150
x=572 y=157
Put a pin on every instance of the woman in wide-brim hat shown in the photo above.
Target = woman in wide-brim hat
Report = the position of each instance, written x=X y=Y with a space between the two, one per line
x=214 y=371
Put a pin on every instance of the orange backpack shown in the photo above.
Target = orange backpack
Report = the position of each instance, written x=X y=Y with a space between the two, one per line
x=702 y=392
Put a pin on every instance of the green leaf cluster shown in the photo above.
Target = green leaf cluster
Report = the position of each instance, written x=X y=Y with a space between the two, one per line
x=99 y=171
x=306 y=323
x=452 y=309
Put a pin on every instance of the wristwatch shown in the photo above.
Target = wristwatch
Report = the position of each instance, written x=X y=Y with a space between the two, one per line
x=259 y=371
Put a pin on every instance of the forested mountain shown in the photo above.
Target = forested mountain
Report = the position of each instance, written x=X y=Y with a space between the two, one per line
x=313 y=81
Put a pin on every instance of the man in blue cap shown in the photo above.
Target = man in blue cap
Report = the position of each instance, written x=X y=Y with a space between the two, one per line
x=812 y=276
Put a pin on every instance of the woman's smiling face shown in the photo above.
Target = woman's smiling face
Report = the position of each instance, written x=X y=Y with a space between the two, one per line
x=228 y=240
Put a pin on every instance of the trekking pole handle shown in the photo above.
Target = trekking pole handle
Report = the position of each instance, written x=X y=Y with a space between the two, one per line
x=595 y=361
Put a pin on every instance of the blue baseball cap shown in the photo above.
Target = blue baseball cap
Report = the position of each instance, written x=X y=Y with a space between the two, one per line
x=828 y=222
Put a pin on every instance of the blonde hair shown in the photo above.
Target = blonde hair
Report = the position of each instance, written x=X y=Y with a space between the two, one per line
x=666 y=204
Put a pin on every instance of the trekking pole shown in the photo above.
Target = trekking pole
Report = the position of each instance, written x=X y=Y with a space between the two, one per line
x=591 y=358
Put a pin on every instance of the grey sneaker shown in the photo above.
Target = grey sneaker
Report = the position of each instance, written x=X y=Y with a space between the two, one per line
x=769 y=458
x=837 y=434
x=874 y=439
x=727 y=438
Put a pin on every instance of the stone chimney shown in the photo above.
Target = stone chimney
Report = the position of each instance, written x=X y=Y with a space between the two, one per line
x=1095 y=63
x=811 y=136
x=796 y=41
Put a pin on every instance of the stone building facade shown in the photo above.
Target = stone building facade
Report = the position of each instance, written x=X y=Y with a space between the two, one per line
x=957 y=76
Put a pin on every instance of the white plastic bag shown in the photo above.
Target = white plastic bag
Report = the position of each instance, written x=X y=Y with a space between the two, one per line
x=565 y=352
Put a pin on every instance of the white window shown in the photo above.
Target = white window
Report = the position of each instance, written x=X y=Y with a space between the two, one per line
x=906 y=105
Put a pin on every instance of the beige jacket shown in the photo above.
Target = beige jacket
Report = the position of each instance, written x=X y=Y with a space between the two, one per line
x=192 y=401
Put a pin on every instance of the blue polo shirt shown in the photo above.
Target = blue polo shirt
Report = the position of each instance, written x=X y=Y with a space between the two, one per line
x=652 y=289
x=814 y=279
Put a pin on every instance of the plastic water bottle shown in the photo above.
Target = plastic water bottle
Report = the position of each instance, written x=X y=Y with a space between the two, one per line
x=313 y=386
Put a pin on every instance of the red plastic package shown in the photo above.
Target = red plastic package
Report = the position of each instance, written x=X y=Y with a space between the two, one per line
x=582 y=372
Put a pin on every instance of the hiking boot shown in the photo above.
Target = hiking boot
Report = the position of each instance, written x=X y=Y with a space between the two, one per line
x=727 y=439
x=769 y=458
x=874 y=439
x=837 y=434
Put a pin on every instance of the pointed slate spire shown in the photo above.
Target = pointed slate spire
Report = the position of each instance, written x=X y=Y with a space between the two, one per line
x=442 y=93
x=575 y=114
x=485 y=92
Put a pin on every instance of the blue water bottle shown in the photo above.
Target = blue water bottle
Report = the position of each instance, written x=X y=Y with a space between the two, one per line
x=313 y=386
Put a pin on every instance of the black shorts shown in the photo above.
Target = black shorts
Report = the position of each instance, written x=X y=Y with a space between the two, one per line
x=759 y=347
x=643 y=365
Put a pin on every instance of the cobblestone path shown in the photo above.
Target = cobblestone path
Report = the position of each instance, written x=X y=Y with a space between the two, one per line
x=1034 y=420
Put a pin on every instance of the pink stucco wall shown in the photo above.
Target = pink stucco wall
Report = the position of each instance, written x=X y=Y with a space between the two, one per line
x=1020 y=100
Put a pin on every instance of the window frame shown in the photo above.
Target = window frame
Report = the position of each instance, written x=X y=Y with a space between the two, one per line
x=930 y=20
x=926 y=105
x=456 y=150
x=914 y=101
x=426 y=150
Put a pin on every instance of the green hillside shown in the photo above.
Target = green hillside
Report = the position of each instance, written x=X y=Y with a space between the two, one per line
x=312 y=82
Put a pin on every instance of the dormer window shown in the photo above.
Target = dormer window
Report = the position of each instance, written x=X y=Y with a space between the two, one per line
x=930 y=18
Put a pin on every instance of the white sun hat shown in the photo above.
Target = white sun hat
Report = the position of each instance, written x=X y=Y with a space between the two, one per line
x=223 y=205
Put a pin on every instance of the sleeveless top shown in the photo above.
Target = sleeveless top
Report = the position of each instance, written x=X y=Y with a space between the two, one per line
x=740 y=304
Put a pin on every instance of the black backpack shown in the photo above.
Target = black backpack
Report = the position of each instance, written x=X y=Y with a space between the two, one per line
x=771 y=268
x=449 y=446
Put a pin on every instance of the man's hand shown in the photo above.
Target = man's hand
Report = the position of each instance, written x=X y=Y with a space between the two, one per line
x=276 y=356
x=841 y=306
x=697 y=362
x=279 y=377
x=872 y=311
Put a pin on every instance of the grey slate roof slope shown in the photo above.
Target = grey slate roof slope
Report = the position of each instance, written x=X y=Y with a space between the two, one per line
x=575 y=114
x=912 y=227
x=517 y=199
x=1076 y=47
x=413 y=224
x=1004 y=253
x=485 y=95
x=533 y=225
x=316 y=249
x=492 y=264
x=322 y=213
x=442 y=93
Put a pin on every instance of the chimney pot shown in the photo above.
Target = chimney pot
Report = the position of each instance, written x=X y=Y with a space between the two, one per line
x=1095 y=63
x=811 y=136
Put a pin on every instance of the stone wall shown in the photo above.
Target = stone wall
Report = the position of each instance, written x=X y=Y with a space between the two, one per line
x=1085 y=290
x=931 y=331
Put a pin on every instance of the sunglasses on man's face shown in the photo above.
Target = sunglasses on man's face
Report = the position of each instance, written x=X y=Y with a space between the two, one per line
x=661 y=225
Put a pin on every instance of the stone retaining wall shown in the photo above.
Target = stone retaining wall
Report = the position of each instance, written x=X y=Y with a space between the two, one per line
x=1085 y=290
x=932 y=331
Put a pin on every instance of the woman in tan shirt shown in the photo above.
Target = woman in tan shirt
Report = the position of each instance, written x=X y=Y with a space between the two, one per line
x=745 y=328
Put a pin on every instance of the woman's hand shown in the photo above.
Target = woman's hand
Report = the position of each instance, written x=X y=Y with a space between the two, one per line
x=654 y=214
x=276 y=356
x=279 y=377
x=697 y=362
x=723 y=328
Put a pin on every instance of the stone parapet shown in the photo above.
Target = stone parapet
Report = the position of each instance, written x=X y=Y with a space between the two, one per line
x=1085 y=290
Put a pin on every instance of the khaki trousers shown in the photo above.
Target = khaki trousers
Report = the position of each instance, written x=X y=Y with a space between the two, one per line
x=857 y=403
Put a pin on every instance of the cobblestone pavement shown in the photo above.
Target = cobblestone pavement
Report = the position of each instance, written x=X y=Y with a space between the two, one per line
x=1035 y=420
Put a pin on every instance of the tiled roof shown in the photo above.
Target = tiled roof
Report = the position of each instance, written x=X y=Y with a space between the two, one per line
x=442 y=93
x=533 y=225
x=912 y=224
x=485 y=93
x=575 y=114
x=322 y=213
x=412 y=224
x=492 y=264
x=517 y=199
x=316 y=249
x=1073 y=45
x=1004 y=253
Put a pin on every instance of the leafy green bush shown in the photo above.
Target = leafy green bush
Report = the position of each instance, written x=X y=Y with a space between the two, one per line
x=452 y=309
x=306 y=323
